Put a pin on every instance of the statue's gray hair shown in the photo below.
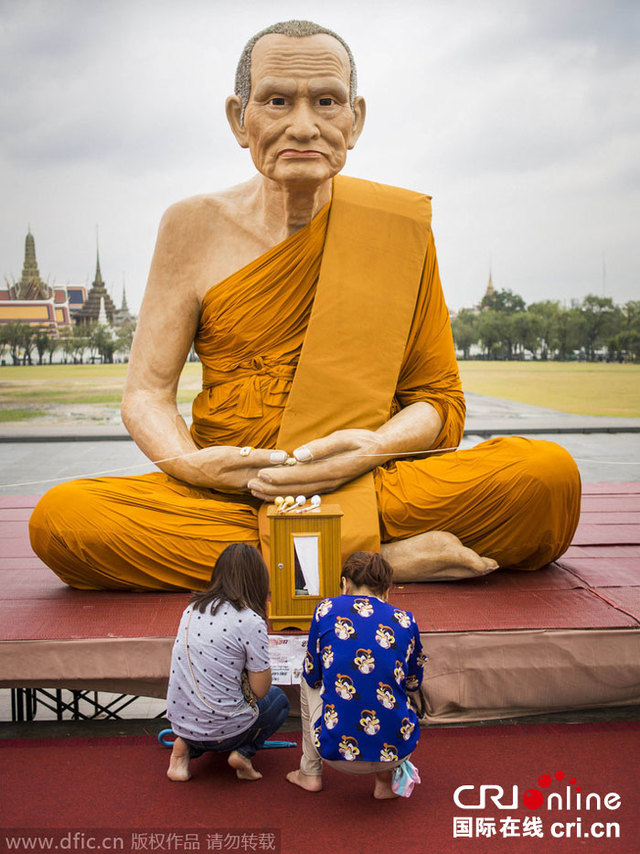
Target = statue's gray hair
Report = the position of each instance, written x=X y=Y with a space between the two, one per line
x=296 y=29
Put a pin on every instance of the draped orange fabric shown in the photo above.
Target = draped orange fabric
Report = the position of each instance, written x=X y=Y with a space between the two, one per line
x=252 y=327
x=372 y=269
x=515 y=500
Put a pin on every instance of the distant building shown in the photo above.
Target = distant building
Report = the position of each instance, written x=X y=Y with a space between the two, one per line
x=77 y=297
x=90 y=311
x=30 y=286
x=33 y=302
x=490 y=291
x=122 y=315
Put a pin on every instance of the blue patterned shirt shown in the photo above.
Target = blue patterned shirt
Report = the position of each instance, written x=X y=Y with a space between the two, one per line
x=365 y=654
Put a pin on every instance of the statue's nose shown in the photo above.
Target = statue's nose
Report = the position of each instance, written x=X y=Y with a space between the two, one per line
x=303 y=123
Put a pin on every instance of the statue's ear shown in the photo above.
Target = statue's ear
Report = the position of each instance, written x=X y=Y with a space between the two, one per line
x=359 y=114
x=233 y=109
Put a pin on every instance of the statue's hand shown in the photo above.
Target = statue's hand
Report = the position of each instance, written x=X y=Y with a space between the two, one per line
x=226 y=468
x=323 y=465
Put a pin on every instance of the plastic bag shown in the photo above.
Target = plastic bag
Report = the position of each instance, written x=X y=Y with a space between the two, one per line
x=405 y=777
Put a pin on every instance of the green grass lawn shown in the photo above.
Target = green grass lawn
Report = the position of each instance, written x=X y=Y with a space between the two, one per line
x=579 y=387
x=18 y=414
x=584 y=388
x=73 y=384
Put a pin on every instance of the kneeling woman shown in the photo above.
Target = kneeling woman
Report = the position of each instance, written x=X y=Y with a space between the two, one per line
x=222 y=634
x=363 y=656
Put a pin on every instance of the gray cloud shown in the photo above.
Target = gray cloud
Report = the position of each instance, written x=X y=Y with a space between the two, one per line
x=522 y=118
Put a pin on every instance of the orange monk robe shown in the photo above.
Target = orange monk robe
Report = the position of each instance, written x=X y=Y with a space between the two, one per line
x=515 y=500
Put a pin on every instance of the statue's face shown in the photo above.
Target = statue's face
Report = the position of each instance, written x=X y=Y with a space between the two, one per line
x=298 y=123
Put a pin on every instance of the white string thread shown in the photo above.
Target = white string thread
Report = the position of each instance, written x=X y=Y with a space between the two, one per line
x=192 y=453
x=100 y=473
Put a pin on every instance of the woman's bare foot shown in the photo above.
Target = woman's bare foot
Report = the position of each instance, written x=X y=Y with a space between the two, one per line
x=179 y=763
x=311 y=783
x=243 y=766
x=382 y=789
x=434 y=556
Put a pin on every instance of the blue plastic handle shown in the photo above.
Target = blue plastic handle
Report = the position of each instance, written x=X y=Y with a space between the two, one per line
x=163 y=738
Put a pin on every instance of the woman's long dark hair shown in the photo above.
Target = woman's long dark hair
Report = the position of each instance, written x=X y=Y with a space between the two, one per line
x=239 y=577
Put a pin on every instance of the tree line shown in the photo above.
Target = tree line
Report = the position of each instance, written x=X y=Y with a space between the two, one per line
x=504 y=327
x=21 y=342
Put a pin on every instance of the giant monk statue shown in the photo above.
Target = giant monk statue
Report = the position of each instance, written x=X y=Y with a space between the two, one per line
x=316 y=309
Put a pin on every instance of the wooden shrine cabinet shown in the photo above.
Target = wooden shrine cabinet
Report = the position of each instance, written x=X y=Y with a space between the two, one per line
x=305 y=563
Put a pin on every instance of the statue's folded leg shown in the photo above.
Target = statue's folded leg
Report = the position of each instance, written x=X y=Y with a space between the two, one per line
x=150 y=532
x=513 y=499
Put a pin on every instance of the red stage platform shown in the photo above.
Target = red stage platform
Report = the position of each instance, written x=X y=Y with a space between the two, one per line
x=512 y=643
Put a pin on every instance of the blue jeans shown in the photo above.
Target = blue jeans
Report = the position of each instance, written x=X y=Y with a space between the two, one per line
x=272 y=713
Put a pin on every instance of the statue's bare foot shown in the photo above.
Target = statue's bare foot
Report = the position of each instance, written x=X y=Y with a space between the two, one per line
x=311 y=783
x=243 y=766
x=434 y=556
x=382 y=790
x=178 y=770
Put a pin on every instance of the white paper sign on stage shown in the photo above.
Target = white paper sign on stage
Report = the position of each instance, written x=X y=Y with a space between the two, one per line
x=287 y=655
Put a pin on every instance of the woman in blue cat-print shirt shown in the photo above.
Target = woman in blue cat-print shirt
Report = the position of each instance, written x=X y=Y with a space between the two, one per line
x=363 y=657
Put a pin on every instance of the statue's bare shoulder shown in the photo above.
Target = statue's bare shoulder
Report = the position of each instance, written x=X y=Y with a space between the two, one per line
x=211 y=235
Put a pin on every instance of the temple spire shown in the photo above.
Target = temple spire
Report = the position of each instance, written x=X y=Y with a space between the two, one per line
x=99 y=305
x=30 y=267
x=98 y=279
x=31 y=285
x=490 y=289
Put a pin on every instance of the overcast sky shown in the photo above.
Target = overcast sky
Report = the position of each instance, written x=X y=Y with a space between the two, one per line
x=520 y=117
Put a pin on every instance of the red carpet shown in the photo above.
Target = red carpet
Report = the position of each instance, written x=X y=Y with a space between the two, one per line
x=84 y=791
